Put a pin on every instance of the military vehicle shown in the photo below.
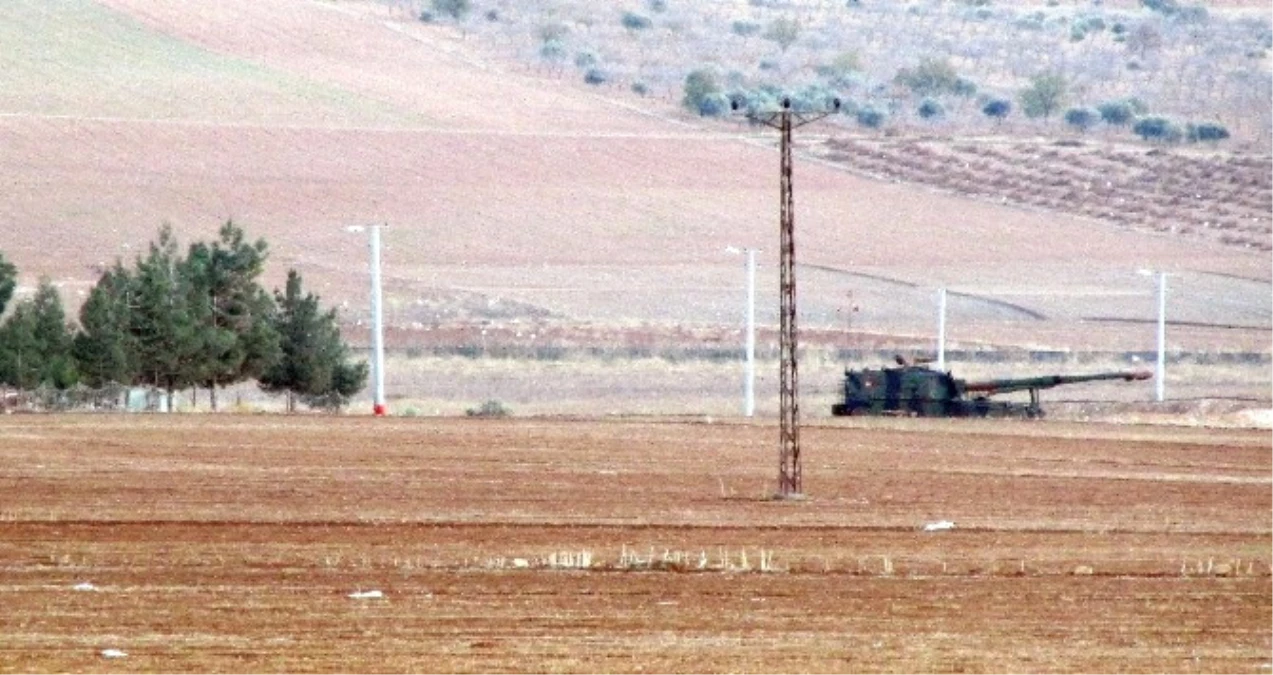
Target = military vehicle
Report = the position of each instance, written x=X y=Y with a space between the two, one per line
x=912 y=388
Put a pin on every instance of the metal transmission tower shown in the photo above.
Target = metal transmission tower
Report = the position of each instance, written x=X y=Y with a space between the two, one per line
x=789 y=472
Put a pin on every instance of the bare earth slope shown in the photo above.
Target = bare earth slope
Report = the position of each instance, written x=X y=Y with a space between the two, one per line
x=298 y=119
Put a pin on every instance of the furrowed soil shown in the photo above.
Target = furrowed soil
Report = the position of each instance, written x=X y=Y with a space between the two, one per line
x=234 y=543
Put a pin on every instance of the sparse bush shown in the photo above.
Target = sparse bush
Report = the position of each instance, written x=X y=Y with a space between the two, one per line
x=1044 y=96
x=930 y=109
x=491 y=408
x=1116 y=113
x=1159 y=129
x=713 y=105
x=656 y=6
x=699 y=86
x=870 y=117
x=585 y=59
x=745 y=28
x=931 y=77
x=640 y=88
x=1207 y=131
x=456 y=9
x=492 y=15
x=550 y=32
x=1081 y=119
x=634 y=22
x=552 y=50
x=595 y=76
x=997 y=108
x=427 y=16
x=783 y=31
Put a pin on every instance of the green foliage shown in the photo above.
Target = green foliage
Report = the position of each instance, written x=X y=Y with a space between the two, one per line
x=167 y=331
x=656 y=6
x=1116 y=113
x=1158 y=129
x=491 y=408
x=585 y=59
x=745 y=28
x=932 y=77
x=552 y=50
x=1045 y=95
x=640 y=88
x=930 y=109
x=104 y=348
x=634 y=22
x=456 y=9
x=553 y=31
x=595 y=76
x=784 y=32
x=313 y=360
x=233 y=311
x=841 y=69
x=1207 y=131
x=8 y=282
x=701 y=86
x=35 y=343
x=870 y=117
x=1082 y=119
x=997 y=108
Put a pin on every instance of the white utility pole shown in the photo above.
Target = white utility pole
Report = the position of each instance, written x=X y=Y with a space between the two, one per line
x=1160 y=372
x=941 y=329
x=749 y=371
x=377 y=328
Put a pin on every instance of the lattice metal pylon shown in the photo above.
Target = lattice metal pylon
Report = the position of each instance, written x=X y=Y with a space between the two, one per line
x=790 y=475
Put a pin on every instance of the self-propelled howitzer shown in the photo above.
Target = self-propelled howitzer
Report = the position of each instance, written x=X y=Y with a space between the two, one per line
x=913 y=389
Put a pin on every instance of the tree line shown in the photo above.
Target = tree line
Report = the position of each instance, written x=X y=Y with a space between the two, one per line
x=176 y=322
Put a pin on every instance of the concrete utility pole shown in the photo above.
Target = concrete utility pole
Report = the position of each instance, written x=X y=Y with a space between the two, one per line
x=377 y=328
x=941 y=329
x=749 y=374
x=1160 y=370
x=790 y=479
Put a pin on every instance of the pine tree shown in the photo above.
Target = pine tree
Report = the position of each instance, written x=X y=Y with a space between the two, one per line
x=233 y=310
x=104 y=348
x=170 y=344
x=313 y=366
x=8 y=281
x=35 y=343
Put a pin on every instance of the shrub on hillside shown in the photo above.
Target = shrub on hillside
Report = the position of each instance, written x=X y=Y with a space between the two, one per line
x=931 y=77
x=1116 y=113
x=745 y=28
x=997 y=108
x=1159 y=129
x=633 y=21
x=491 y=408
x=783 y=31
x=930 y=109
x=456 y=9
x=595 y=76
x=552 y=50
x=1207 y=131
x=1081 y=119
x=870 y=117
x=1044 y=96
x=699 y=86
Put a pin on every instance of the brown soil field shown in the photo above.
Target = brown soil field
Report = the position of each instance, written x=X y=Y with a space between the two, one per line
x=513 y=197
x=234 y=543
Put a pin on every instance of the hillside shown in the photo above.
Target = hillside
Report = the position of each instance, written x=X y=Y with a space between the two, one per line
x=515 y=197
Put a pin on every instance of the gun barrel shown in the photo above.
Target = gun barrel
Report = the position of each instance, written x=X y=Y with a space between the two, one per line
x=1049 y=381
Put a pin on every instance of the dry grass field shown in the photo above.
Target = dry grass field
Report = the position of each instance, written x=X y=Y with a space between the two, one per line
x=234 y=543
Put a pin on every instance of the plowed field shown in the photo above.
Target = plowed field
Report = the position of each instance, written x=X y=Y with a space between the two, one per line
x=223 y=543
